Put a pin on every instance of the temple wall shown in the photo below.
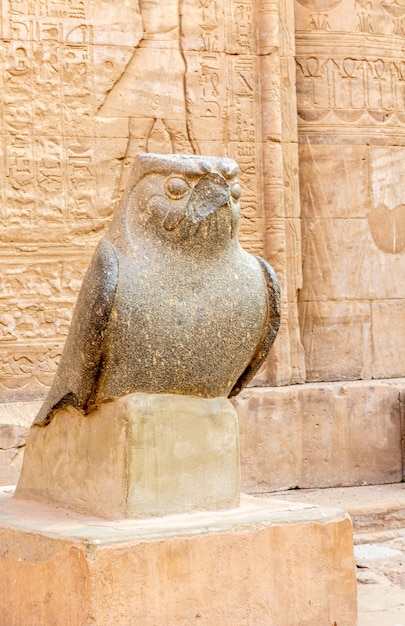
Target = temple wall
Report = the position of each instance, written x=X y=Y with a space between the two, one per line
x=351 y=120
x=87 y=84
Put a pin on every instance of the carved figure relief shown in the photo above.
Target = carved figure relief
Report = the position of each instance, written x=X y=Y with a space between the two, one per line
x=154 y=101
x=186 y=110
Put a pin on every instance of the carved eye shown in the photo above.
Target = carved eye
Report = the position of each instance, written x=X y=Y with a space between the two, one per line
x=156 y=205
x=236 y=191
x=176 y=187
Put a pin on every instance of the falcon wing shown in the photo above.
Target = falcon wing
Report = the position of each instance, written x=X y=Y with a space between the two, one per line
x=80 y=362
x=271 y=327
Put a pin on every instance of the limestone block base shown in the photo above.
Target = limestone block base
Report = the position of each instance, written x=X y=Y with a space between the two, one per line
x=321 y=435
x=15 y=421
x=142 y=455
x=267 y=563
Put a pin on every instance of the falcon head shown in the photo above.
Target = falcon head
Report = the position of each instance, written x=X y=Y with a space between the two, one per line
x=182 y=198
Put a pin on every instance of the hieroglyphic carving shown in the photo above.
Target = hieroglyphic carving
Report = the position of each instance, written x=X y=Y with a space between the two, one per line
x=241 y=27
x=26 y=373
x=46 y=60
x=244 y=117
x=351 y=88
x=50 y=278
x=244 y=136
x=374 y=17
x=48 y=178
x=224 y=97
x=206 y=70
x=46 y=90
x=26 y=284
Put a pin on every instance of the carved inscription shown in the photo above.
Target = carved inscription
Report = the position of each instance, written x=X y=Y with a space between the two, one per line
x=49 y=176
x=47 y=183
x=351 y=88
x=245 y=144
x=241 y=24
x=36 y=300
x=27 y=374
x=373 y=17
x=225 y=99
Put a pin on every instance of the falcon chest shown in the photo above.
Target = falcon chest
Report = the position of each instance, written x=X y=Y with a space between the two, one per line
x=171 y=313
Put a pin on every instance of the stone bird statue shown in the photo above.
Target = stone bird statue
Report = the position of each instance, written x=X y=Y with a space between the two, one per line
x=171 y=303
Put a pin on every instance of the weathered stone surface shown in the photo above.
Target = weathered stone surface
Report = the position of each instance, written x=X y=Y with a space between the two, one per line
x=12 y=436
x=267 y=563
x=272 y=422
x=140 y=456
x=372 y=508
x=388 y=336
x=171 y=302
x=10 y=465
x=402 y=422
x=12 y=443
x=320 y=435
x=329 y=332
x=351 y=128
x=352 y=256
x=15 y=420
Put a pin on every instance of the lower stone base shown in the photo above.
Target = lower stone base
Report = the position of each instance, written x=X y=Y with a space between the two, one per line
x=266 y=563
x=15 y=421
x=143 y=455
x=321 y=435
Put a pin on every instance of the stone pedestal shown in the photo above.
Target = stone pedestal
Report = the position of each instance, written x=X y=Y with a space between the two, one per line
x=143 y=455
x=267 y=563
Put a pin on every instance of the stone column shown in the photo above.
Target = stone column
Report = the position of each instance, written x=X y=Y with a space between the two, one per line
x=282 y=229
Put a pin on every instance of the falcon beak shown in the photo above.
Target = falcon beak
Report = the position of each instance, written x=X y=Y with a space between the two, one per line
x=208 y=196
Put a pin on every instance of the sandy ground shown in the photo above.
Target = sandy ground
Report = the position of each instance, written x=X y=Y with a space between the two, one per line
x=381 y=582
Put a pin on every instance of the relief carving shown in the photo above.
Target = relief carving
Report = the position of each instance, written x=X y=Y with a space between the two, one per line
x=242 y=23
x=24 y=375
x=365 y=24
x=351 y=88
x=320 y=22
x=319 y=5
x=396 y=8
x=356 y=16
x=161 y=91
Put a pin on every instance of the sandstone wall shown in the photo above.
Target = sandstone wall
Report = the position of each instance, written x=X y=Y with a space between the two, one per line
x=351 y=118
